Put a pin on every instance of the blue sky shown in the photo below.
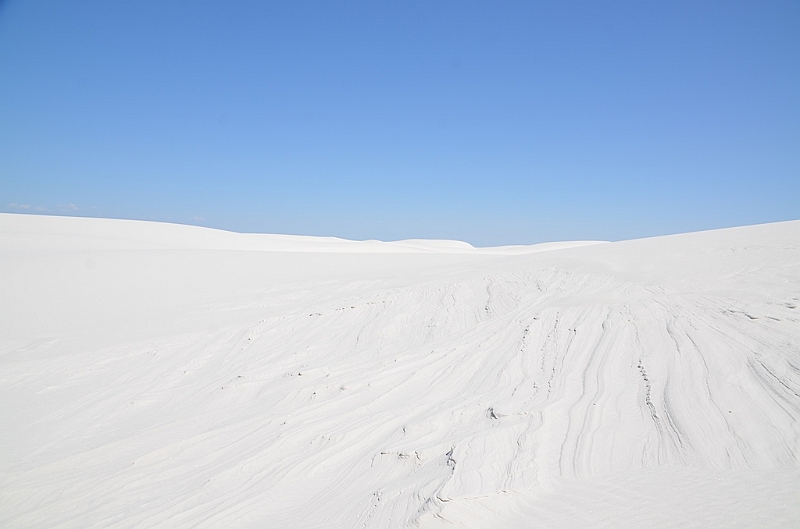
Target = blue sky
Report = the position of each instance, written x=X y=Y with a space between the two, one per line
x=490 y=122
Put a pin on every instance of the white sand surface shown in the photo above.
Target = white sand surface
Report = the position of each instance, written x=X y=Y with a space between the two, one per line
x=157 y=375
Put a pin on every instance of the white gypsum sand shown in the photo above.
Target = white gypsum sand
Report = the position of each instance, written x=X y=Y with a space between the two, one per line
x=156 y=375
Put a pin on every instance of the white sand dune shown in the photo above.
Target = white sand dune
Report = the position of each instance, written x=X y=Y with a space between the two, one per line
x=156 y=375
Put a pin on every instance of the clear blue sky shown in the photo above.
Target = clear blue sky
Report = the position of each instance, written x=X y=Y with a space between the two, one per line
x=490 y=122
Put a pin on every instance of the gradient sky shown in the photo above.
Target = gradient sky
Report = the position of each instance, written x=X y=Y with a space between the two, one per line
x=490 y=122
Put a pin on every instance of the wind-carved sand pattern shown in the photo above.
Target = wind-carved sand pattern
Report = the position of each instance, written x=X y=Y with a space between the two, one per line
x=198 y=378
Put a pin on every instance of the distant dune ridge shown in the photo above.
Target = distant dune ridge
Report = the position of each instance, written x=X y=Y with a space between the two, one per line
x=159 y=375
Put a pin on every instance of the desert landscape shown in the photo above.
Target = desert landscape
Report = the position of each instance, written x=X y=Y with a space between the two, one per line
x=162 y=375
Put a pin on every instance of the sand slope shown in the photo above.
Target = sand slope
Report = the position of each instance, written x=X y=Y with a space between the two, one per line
x=164 y=375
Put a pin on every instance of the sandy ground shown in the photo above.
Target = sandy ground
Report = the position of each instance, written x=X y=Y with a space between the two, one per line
x=155 y=375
